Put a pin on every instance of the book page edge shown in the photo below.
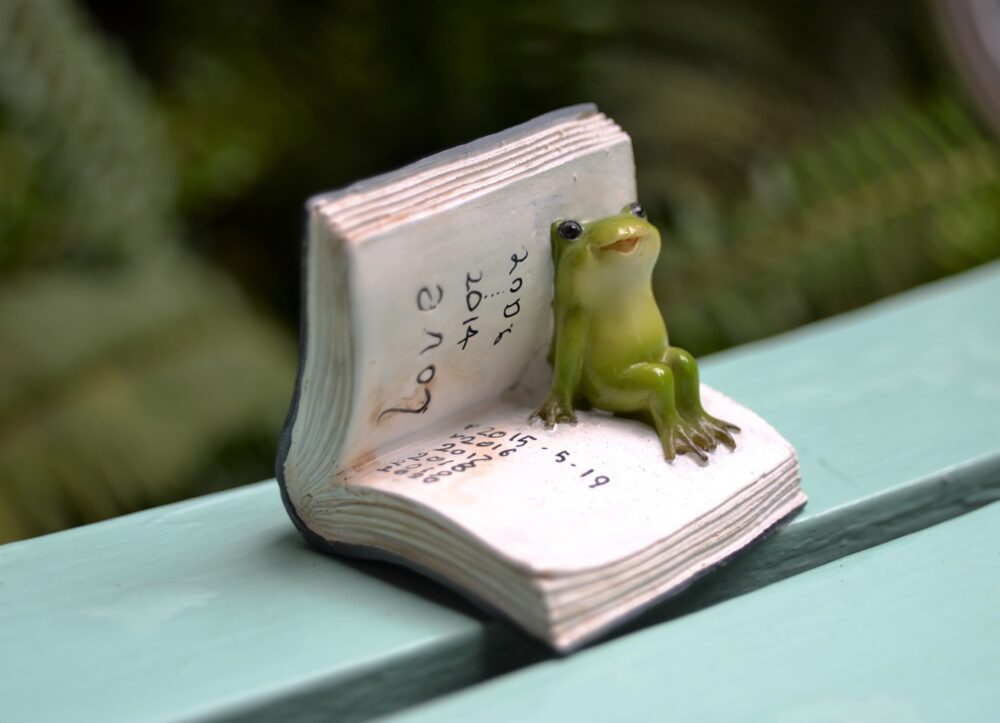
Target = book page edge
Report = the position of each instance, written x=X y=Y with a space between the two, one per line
x=534 y=125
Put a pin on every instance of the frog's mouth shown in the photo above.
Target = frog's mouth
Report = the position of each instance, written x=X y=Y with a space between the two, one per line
x=623 y=245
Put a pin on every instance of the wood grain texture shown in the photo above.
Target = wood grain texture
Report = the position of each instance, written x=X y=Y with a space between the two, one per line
x=214 y=608
x=907 y=631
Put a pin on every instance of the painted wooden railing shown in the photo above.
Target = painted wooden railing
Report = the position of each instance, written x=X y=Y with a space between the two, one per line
x=215 y=609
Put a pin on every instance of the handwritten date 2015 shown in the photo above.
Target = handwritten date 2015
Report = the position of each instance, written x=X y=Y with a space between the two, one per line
x=461 y=452
x=476 y=446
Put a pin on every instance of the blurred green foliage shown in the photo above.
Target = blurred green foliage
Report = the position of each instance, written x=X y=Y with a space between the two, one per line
x=801 y=159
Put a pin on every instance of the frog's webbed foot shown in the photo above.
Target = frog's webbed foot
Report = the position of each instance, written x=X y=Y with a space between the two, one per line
x=713 y=430
x=679 y=436
x=552 y=411
x=710 y=430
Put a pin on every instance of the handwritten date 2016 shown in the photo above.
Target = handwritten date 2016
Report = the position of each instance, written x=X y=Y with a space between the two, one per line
x=461 y=452
x=474 y=447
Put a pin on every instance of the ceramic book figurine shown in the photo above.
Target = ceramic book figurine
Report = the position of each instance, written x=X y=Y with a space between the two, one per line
x=427 y=323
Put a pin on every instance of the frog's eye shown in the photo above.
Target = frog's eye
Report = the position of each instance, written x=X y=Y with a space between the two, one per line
x=569 y=230
x=636 y=209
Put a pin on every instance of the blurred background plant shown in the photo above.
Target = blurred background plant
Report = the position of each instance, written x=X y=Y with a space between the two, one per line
x=801 y=160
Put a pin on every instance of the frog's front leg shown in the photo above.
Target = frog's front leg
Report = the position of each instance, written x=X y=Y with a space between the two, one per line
x=570 y=343
x=677 y=435
x=688 y=393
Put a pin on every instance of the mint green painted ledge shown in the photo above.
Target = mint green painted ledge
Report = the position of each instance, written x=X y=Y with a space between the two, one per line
x=909 y=631
x=214 y=608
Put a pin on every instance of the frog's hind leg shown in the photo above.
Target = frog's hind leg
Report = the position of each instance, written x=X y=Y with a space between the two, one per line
x=688 y=392
x=655 y=383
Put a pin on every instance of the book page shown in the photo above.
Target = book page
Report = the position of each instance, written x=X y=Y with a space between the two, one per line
x=574 y=497
x=450 y=307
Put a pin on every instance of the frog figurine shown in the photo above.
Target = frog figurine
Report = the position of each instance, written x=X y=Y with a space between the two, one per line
x=610 y=348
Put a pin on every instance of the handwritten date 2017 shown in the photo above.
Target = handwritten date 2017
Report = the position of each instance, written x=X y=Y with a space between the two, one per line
x=461 y=452
x=474 y=447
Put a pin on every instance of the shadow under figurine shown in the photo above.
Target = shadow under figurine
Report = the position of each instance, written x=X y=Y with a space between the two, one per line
x=610 y=348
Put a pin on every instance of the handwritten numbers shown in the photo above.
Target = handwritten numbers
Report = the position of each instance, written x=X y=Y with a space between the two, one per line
x=513 y=308
x=473 y=298
x=516 y=260
x=470 y=332
x=477 y=446
x=479 y=310
x=598 y=481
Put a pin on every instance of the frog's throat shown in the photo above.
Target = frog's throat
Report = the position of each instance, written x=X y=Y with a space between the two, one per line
x=623 y=245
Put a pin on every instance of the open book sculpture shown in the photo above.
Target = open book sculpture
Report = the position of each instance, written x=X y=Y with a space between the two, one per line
x=427 y=323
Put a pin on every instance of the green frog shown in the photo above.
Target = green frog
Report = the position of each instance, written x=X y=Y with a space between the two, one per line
x=610 y=348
